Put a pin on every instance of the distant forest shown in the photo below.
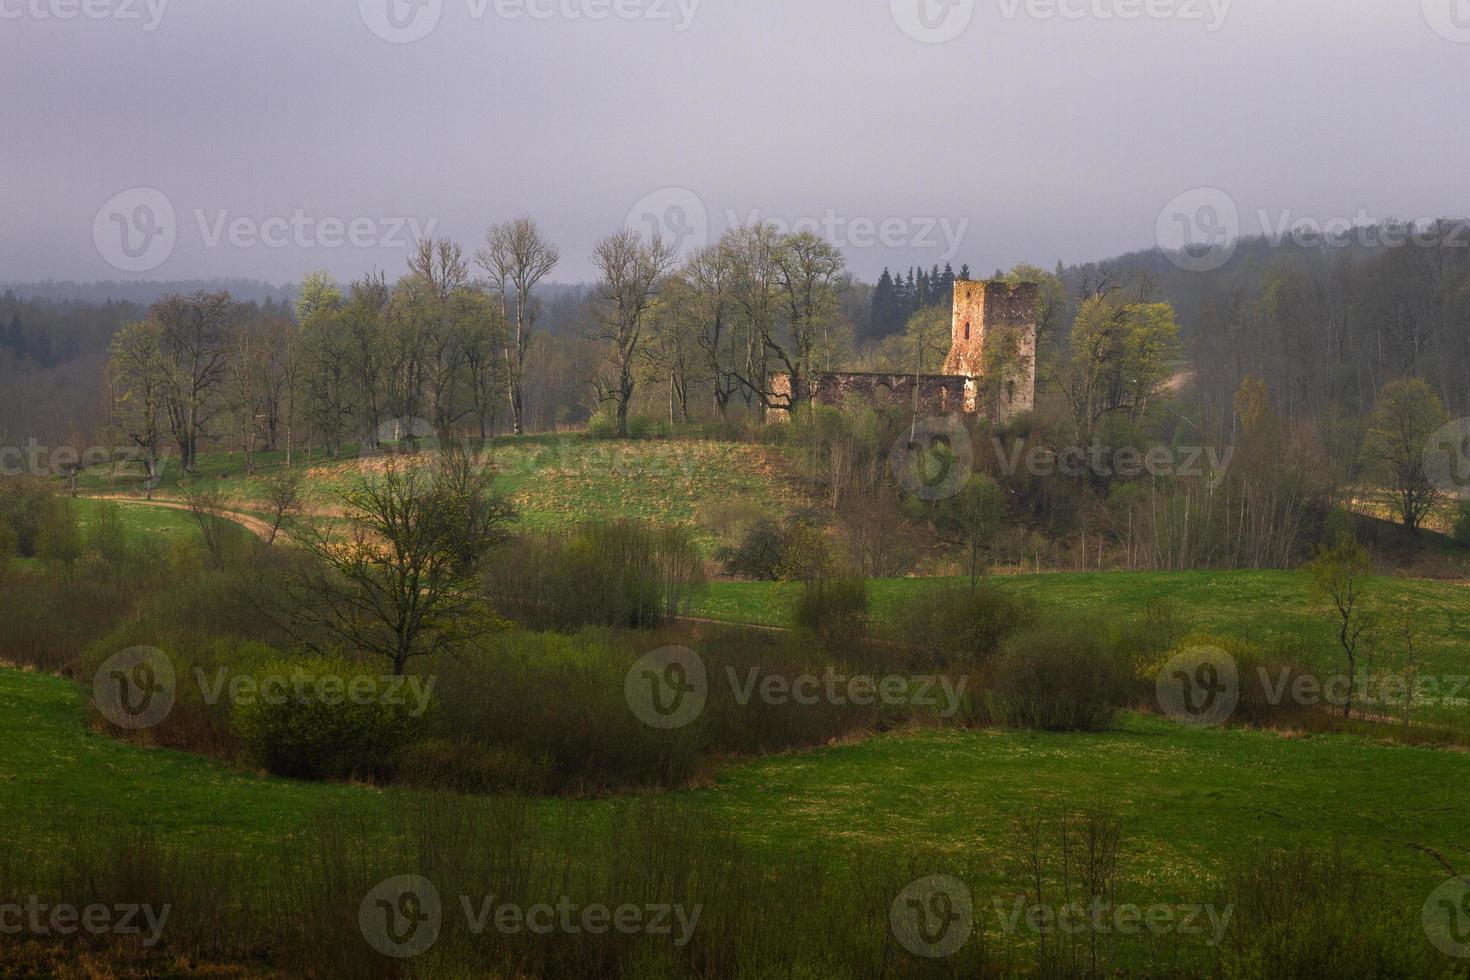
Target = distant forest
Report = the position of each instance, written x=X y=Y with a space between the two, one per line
x=1324 y=328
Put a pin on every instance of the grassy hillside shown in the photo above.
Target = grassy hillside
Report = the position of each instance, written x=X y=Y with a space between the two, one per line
x=554 y=481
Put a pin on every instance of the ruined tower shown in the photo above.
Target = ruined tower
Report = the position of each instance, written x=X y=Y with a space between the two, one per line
x=991 y=368
x=994 y=344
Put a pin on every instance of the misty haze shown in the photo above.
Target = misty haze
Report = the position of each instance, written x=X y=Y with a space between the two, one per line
x=694 y=488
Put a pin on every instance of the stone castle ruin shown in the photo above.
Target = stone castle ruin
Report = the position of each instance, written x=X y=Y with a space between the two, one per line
x=990 y=370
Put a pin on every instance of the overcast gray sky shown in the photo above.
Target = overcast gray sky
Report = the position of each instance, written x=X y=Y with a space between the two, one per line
x=912 y=131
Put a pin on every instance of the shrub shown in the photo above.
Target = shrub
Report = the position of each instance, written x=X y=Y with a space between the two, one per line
x=959 y=626
x=758 y=554
x=1265 y=681
x=1159 y=630
x=1062 y=677
x=564 y=699
x=471 y=767
x=771 y=552
x=106 y=537
x=604 y=425
x=200 y=718
x=834 y=611
x=311 y=733
x=560 y=699
x=805 y=554
x=58 y=538
x=25 y=505
x=623 y=574
x=1462 y=522
x=1305 y=915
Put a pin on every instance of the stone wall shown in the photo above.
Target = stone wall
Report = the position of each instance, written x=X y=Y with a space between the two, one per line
x=938 y=394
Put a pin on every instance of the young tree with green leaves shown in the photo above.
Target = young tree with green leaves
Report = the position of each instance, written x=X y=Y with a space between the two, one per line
x=975 y=516
x=1339 y=579
x=1120 y=360
x=1407 y=415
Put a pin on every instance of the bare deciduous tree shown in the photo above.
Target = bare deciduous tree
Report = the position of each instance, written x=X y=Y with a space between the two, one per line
x=517 y=257
x=632 y=270
x=403 y=582
x=207 y=505
x=194 y=353
x=283 y=499
x=138 y=385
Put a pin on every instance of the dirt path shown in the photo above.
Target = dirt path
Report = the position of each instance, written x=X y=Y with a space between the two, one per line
x=254 y=525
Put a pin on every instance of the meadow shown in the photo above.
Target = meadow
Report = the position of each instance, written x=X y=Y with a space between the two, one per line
x=796 y=834
x=1191 y=805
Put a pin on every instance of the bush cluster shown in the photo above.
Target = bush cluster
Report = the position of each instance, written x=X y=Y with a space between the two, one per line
x=316 y=734
x=619 y=574
x=792 y=550
x=1059 y=676
x=835 y=612
x=960 y=626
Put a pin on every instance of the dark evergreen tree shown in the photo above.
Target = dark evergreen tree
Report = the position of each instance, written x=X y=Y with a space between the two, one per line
x=886 y=319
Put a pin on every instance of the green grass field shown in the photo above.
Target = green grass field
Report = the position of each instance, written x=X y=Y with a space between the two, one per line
x=1272 y=610
x=1191 y=802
